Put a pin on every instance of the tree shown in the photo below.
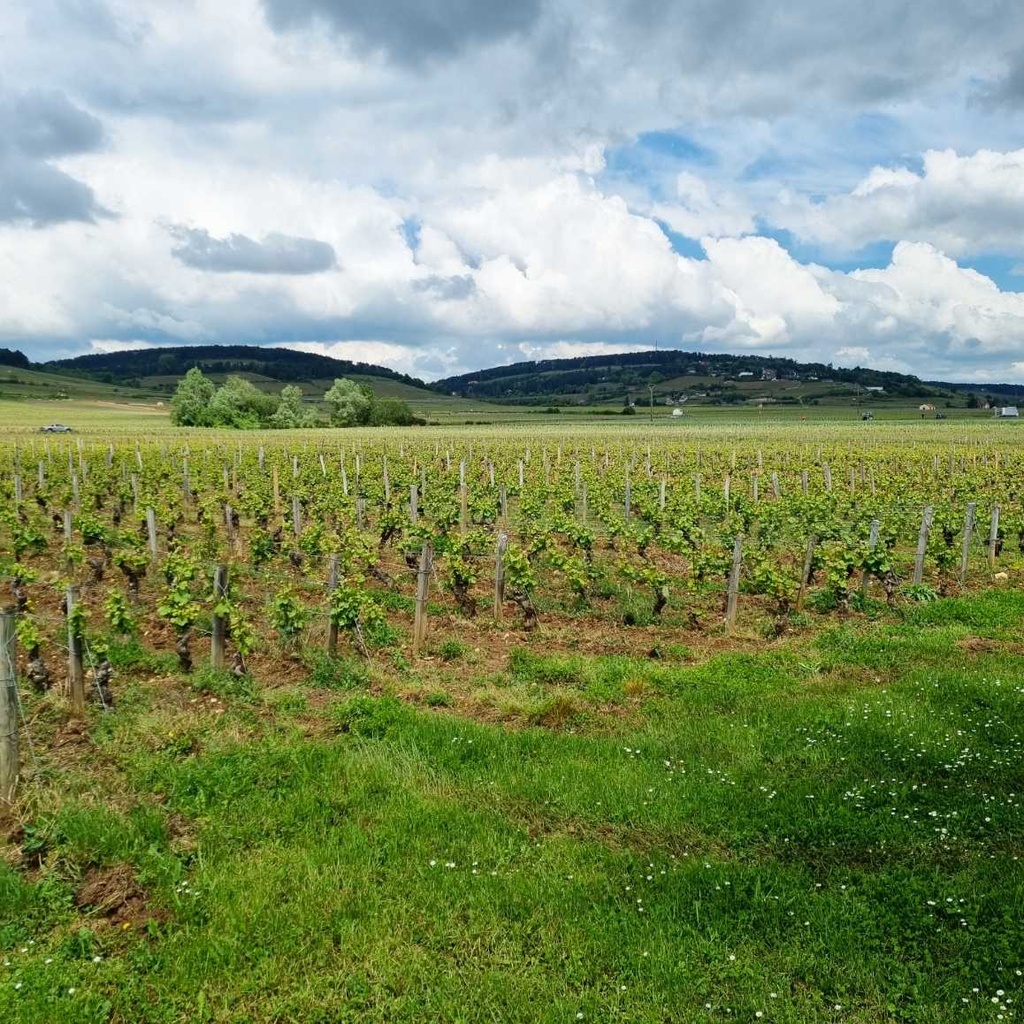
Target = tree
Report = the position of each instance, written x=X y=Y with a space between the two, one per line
x=291 y=412
x=240 y=404
x=391 y=412
x=14 y=357
x=350 y=404
x=190 y=406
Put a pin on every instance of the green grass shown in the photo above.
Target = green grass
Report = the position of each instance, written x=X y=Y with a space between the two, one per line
x=824 y=831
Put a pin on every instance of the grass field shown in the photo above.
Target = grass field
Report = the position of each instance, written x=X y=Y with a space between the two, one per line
x=585 y=822
x=825 y=830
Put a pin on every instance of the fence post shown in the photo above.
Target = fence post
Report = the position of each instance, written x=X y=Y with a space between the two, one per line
x=332 y=626
x=218 y=633
x=876 y=526
x=734 y=583
x=296 y=516
x=414 y=512
x=499 y=577
x=76 y=671
x=922 y=544
x=993 y=537
x=419 y=629
x=968 y=532
x=805 y=576
x=151 y=531
x=9 y=761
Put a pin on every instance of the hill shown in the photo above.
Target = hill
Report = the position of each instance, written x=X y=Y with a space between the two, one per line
x=684 y=376
x=152 y=375
x=273 y=365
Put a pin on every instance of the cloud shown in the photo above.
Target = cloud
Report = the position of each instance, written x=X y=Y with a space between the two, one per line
x=409 y=31
x=460 y=183
x=36 y=127
x=103 y=346
x=698 y=211
x=960 y=204
x=276 y=254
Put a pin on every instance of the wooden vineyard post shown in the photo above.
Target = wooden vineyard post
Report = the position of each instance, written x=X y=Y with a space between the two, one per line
x=520 y=474
x=387 y=481
x=360 y=510
x=414 y=512
x=186 y=491
x=135 y=492
x=76 y=671
x=584 y=511
x=68 y=532
x=629 y=498
x=419 y=629
x=296 y=516
x=733 y=597
x=219 y=630
x=41 y=475
x=993 y=537
x=151 y=532
x=922 y=544
x=503 y=501
x=344 y=479
x=17 y=488
x=499 y=577
x=661 y=496
x=775 y=485
x=972 y=509
x=463 y=508
x=332 y=626
x=725 y=490
x=872 y=544
x=75 y=493
x=9 y=761
x=696 y=487
x=803 y=481
x=277 y=490
x=805 y=576
x=827 y=470
x=753 y=487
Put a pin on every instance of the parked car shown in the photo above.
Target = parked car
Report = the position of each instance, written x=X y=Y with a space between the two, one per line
x=56 y=428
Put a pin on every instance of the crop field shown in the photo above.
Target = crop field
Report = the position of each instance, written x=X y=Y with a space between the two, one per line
x=714 y=721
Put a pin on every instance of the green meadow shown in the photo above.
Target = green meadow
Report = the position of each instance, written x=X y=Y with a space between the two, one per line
x=825 y=829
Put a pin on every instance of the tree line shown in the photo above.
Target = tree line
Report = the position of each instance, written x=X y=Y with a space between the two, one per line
x=239 y=405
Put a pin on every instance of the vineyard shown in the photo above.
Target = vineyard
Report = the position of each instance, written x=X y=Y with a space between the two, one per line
x=226 y=570
x=364 y=544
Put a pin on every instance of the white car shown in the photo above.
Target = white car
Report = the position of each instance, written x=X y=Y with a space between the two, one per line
x=56 y=428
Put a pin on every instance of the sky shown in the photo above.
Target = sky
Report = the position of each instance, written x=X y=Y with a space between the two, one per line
x=444 y=185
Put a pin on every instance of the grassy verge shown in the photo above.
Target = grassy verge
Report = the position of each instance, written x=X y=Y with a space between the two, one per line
x=827 y=830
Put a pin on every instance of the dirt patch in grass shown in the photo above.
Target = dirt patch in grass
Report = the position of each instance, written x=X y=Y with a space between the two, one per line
x=113 y=895
x=983 y=645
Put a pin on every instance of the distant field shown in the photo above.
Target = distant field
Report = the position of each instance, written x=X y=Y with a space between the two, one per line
x=108 y=411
